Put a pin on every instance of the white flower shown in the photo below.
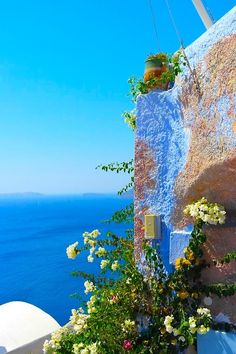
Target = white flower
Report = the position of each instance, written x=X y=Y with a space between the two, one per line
x=89 y=286
x=168 y=320
x=77 y=348
x=78 y=320
x=85 y=351
x=72 y=250
x=92 y=243
x=86 y=240
x=182 y=339
x=90 y=258
x=128 y=325
x=101 y=252
x=204 y=311
x=93 y=348
x=94 y=233
x=47 y=347
x=91 y=251
x=192 y=324
x=56 y=338
x=203 y=207
x=104 y=263
x=115 y=265
x=169 y=329
x=90 y=304
x=203 y=330
x=211 y=213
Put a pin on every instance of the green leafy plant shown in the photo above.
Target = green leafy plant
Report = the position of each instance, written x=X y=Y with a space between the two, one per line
x=125 y=167
x=141 y=308
x=125 y=215
x=138 y=86
x=130 y=118
x=162 y=57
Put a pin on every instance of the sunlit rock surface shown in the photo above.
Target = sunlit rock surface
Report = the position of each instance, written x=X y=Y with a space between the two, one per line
x=186 y=149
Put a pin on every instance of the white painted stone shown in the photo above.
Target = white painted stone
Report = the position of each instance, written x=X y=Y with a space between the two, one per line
x=178 y=241
x=21 y=324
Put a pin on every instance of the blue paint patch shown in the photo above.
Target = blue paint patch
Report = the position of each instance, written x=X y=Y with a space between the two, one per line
x=160 y=125
x=178 y=241
x=162 y=245
x=215 y=342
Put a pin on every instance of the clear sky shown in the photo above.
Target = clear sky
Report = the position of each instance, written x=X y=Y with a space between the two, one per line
x=64 y=67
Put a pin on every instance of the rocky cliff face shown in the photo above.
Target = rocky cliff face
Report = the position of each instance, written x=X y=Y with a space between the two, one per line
x=186 y=149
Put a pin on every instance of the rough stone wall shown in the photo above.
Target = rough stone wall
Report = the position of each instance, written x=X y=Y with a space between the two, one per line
x=186 y=147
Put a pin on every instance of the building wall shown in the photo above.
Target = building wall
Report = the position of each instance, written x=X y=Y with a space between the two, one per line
x=186 y=148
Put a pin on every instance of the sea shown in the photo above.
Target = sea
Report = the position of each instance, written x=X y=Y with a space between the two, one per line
x=34 y=234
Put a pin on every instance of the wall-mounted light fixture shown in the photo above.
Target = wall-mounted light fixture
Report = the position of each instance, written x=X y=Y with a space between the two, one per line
x=152 y=225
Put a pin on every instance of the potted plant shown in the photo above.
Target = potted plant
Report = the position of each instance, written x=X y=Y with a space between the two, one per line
x=155 y=66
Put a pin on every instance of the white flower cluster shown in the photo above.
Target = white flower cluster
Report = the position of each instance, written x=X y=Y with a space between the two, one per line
x=115 y=266
x=101 y=252
x=81 y=348
x=204 y=311
x=90 y=239
x=90 y=304
x=199 y=324
x=128 y=326
x=78 y=320
x=168 y=323
x=192 y=324
x=211 y=213
x=104 y=263
x=72 y=251
x=54 y=344
x=171 y=329
x=89 y=286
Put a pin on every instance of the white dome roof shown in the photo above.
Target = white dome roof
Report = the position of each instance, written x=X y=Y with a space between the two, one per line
x=22 y=323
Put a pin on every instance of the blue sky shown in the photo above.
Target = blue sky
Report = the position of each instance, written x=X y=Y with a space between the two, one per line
x=64 y=67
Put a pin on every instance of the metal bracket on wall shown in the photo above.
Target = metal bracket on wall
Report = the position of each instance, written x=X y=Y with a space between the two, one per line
x=152 y=226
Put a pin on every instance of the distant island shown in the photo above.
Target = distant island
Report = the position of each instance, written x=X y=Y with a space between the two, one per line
x=36 y=195
x=21 y=195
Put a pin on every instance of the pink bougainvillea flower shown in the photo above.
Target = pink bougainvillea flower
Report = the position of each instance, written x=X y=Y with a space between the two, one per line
x=127 y=344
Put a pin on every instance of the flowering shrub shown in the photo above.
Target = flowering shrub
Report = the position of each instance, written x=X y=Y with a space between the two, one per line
x=140 y=311
x=211 y=213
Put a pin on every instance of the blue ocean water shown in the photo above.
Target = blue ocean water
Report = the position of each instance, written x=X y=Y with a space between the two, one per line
x=34 y=234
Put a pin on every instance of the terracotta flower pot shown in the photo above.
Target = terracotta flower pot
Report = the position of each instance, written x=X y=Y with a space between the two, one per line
x=154 y=68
